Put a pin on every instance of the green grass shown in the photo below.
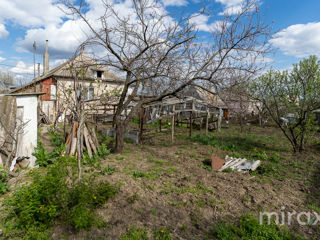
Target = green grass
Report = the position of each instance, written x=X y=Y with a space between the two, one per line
x=249 y=228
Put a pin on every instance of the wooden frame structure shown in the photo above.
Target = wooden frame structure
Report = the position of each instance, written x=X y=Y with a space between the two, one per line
x=178 y=110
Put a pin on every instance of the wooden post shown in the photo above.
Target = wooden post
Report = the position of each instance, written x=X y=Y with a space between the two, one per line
x=207 y=122
x=190 y=132
x=141 y=124
x=173 y=123
x=191 y=113
x=160 y=122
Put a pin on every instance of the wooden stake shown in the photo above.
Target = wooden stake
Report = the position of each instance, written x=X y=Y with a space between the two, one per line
x=86 y=138
x=73 y=146
x=94 y=137
x=172 y=124
x=141 y=124
x=94 y=148
x=190 y=132
x=207 y=122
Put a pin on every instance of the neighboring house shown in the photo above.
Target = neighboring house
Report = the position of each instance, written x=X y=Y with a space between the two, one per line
x=212 y=99
x=58 y=85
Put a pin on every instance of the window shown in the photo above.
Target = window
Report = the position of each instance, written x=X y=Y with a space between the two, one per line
x=88 y=93
x=53 y=92
x=91 y=93
x=98 y=74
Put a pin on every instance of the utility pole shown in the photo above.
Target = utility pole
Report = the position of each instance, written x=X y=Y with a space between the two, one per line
x=34 y=59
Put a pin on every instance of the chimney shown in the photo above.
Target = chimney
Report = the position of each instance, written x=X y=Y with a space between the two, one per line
x=38 y=70
x=46 y=60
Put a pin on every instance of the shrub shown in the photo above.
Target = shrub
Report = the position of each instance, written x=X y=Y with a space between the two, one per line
x=4 y=177
x=249 y=228
x=56 y=138
x=56 y=195
x=41 y=155
x=43 y=158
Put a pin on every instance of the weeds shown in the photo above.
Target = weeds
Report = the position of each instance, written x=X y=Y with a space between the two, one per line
x=56 y=195
x=108 y=170
x=250 y=228
x=142 y=234
x=4 y=177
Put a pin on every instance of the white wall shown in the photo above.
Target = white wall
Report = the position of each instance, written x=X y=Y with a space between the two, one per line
x=28 y=107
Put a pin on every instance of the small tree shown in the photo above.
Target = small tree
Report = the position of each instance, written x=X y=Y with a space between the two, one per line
x=291 y=98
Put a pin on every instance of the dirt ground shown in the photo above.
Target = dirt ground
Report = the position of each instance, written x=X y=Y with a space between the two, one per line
x=166 y=185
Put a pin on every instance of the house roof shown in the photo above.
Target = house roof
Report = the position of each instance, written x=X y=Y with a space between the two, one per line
x=63 y=71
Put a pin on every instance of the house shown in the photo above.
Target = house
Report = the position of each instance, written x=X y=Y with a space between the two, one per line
x=96 y=83
x=213 y=100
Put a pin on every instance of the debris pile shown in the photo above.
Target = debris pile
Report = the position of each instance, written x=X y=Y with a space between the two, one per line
x=239 y=164
x=19 y=162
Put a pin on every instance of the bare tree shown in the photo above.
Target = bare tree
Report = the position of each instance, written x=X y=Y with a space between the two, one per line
x=153 y=50
x=6 y=80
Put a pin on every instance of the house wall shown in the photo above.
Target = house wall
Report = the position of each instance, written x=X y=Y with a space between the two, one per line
x=46 y=87
x=66 y=94
x=27 y=110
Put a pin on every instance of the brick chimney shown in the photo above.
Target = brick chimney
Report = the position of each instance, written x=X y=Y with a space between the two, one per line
x=46 y=60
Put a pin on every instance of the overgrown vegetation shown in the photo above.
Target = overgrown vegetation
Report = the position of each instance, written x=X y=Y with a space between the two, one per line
x=43 y=158
x=142 y=234
x=4 y=177
x=290 y=99
x=249 y=228
x=55 y=196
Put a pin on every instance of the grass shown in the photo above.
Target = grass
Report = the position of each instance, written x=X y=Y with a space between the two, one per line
x=143 y=234
x=249 y=228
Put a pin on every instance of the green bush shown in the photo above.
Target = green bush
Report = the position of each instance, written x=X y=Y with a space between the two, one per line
x=43 y=158
x=4 y=177
x=56 y=195
x=249 y=228
x=56 y=138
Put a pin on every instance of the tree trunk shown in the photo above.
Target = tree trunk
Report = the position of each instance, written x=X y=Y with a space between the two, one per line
x=120 y=129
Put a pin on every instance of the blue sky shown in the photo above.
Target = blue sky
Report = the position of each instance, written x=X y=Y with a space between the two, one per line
x=296 y=26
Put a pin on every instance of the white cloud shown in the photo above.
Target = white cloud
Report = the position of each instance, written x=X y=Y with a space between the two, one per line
x=31 y=13
x=63 y=39
x=299 y=40
x=174 y=2
x=201 y=22
x=22 y=68
x=2 y=59
x=232 y=7
x=66 y=36
x=3 y=31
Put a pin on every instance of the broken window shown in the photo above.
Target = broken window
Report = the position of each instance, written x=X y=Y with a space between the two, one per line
x=98 y=74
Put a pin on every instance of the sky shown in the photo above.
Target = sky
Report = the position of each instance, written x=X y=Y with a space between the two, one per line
x=295 y=25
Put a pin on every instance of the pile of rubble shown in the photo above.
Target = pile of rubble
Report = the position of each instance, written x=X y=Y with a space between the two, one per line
x=237 y=164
